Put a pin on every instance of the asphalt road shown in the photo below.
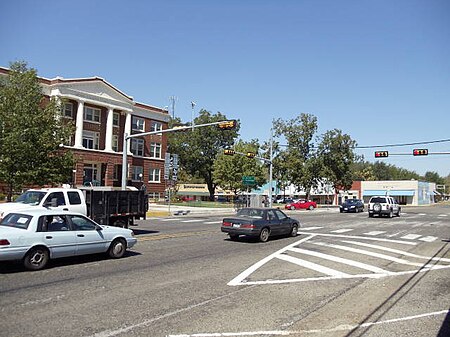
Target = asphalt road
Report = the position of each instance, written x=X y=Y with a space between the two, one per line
x=344 y=275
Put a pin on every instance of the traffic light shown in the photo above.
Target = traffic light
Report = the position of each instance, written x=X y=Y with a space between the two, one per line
x=251 y=155
x=228 y=152
x=227 y=125
x=420 y=152
x=380 y=154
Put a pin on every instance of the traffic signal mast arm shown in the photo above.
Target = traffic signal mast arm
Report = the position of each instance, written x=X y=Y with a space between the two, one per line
x=231 y=152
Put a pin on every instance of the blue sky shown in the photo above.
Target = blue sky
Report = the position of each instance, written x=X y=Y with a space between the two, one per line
x=378 y=70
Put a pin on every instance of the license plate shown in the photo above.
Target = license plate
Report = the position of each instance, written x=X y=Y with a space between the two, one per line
x=345 y=208
x=236 y=225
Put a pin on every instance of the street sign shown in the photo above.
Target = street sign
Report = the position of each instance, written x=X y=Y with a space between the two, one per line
x=167 y=166
x=248 y=180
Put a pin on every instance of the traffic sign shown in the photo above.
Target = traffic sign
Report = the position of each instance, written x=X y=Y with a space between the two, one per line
x=248 y=180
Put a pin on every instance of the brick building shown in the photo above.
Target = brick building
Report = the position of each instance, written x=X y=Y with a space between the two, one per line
x=102 y=115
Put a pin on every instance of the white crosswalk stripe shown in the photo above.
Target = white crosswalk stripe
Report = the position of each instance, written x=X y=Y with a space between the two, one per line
x=343 y=230
x=374 y=233
x=411 y=236
x=428 y=238
x=310 y=228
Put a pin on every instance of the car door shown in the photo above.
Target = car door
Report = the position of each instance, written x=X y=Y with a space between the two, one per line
x=90 y=238
x=57 y=235
x=274 y=222
x=284 y=221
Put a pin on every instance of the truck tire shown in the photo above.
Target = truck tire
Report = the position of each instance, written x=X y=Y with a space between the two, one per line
x=120 y=223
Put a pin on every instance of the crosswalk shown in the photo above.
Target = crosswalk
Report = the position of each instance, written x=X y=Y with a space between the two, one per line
x=323 y=257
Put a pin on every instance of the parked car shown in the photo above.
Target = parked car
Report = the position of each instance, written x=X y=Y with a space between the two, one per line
x=261 y=223
x=301 y=204
x=284 y=200
x=383 y=205
x=38 y=235
x=352 y=205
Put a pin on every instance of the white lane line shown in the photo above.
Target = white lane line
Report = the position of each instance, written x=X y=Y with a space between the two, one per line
x=365 y=252
x=422 y=214
x=411 y=236
x=340 y=260
x=171 y=219
x=343 y=230
x=310 y=228
x=442 y=215
x=342 y=327
x=374 y=233
x=239 y=280
x=360 y=238
x=193 y=220
x=397 y=251
x=312 y=266
x=392 y=235
x=428 y=238
x=212 y=222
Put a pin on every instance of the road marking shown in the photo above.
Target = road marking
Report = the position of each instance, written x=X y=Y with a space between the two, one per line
x=374 y=233
x=310 y=228
x=360 y=238
x=442 y=215
x=193 y=220
x=340 y=260
x=343 y=230
x=213 y=222
x=156 y=237
x=411 y=237
x=312 y=266
x=428 y=238
x=342 y=327
x=423 y=214
x=397 y=251
x=170 y=219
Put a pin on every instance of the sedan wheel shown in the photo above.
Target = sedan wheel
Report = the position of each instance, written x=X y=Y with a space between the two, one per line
x=264 y=234
x=294 y=231
x=311 y=207
x=292 y=208
x=117 y=248
x=36 y=258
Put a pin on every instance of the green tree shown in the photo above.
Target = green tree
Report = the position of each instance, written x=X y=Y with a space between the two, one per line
x=298 y=161
x=434 y=177
x=229 y=170
x=199 y=148
x=32 y=132
x=336 y=152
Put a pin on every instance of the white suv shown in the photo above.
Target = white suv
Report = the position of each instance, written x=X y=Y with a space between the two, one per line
x=383 y=205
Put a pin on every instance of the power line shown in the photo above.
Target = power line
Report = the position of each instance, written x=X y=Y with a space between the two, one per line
x=403 y=144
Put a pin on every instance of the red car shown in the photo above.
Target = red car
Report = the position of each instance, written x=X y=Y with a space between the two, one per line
x=301 y=204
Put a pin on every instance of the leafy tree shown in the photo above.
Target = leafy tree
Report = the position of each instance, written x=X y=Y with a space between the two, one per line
x=336 y=152
x=229 y=170
x=298 y=161
x=199 y=148
x=434 y=177
x=32 y=131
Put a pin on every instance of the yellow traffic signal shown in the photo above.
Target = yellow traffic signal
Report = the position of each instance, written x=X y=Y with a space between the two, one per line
x=251 y=155
x=228 y=152
x=227 y=125
x=379 y=154
x=420 y=152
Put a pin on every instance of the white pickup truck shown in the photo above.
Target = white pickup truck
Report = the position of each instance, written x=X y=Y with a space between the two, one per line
x=107 y=207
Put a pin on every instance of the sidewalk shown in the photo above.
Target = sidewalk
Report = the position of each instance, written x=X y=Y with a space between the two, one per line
x=155 y=210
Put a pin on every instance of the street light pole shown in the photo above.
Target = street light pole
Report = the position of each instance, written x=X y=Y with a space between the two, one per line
x=271 y=167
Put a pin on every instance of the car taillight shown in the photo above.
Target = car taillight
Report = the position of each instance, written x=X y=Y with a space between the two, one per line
x=247 y=225
x=226 y=224
x=4 y=242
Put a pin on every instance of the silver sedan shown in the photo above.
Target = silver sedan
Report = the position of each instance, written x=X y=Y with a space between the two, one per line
x=36 y=236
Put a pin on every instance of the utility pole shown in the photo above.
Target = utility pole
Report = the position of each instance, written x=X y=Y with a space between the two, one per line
x=173 y=100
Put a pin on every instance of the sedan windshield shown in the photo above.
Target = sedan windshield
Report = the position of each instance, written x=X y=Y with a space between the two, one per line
x=250 y=212
x=31 y=197
x=16 y=220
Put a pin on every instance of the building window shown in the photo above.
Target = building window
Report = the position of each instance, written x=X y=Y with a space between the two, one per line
x=155 y=150
x=154 y=175
x=154 y=195
x=68 y=110
x=137 y=147
x=117 y=172
x=115 y=143
x=137 y=124
x=136 y=173
x=90 y=177
x=92 y=114
x=116 y=119
x=156 y=126
x=91 y=140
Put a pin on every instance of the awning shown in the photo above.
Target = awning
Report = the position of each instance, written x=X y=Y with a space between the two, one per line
x=393 y=193
x=437 y=193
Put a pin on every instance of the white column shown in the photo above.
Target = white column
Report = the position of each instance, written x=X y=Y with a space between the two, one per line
x=109 y=130
x=79 y=125
x=128 y=130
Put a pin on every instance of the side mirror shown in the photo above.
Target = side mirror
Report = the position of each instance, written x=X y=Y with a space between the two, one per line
x=52 y=203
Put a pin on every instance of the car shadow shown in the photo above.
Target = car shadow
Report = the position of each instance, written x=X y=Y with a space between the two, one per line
x=251 y=239
x=10 y=267
x=144 y=231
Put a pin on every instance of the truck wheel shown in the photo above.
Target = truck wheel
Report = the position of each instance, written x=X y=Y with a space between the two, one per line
x=120 y=223
x=36 y=258
x=117 y=248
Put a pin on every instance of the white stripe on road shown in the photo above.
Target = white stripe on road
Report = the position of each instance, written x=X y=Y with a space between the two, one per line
x=374 y=233
x=343 y=230
x=171 y=219
x=312 y=266
x=310 y=228
x=411 y=236
x=365 y=252
x=443 y=215
x=193 y=220
x=428 y=238
x=212 y=222
x=340 y=260
x=323 y=332
x=359 y=238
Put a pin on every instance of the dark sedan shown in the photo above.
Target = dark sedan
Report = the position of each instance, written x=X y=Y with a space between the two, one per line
x=261 y=223
x=352 y=205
